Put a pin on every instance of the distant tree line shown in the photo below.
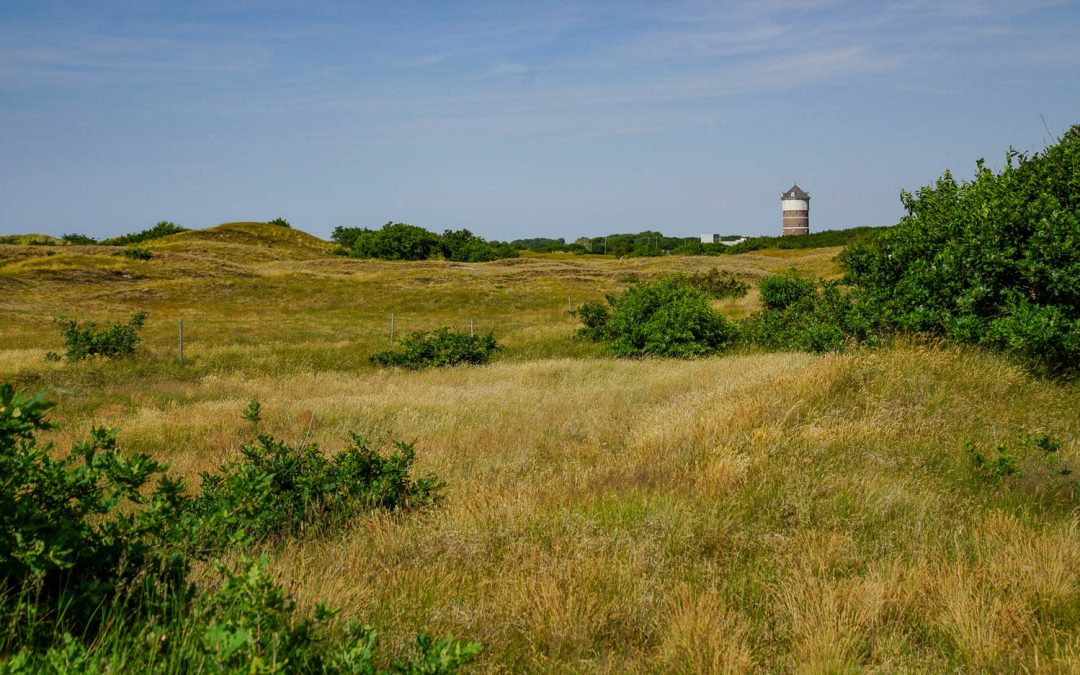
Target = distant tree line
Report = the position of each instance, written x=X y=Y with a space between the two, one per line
x=401 y=241
x=654 y=243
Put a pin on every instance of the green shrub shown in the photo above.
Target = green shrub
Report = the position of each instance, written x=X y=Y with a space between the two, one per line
x=278 y=489
x=807 y=315
x=399 y=241
x=394 y=241
x=718 y=285
x=253 y=412
x=163 y=229
x=96 y=551
x=594 y=317
x=78 y=239
x=135 y=253
x=280 y=222
x=663 y=317
x=92 y=528
x=111 y=340
x=464 y=246
x=780 y=291
x=992 y=261
x=440 y=347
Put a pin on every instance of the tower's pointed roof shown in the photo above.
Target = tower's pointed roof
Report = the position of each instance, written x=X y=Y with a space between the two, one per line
x=795 y=192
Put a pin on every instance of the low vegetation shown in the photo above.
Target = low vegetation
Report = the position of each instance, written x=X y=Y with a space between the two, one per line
x=98 y=554
x=162 y=229
x=811 y=315
x=663 y=317
x=135 y=253
x=84 y=340
x=441 y=347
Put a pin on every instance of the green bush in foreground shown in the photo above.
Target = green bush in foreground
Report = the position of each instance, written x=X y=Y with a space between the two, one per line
x=82 y=341
x=663 y=317
x=993 y=261
x=440 y=347
x=97 y=548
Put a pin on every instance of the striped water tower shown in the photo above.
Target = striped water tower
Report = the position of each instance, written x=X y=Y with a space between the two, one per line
x=795 y=204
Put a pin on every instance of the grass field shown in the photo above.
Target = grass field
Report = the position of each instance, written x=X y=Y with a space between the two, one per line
x=757 y=511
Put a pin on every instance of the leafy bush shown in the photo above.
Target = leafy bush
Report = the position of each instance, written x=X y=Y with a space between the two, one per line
x=278 y=489
x=86 y=529
x=594 y=317
x=718 y=285
x=163 y=229
x=463 y=246
x=96 y=552
x=992 y=261
x=78 y=239
x=113 y=339
x=664 y=317
x=440 y=347
x=394 y=241
x=280 y=222
x=399 y=241
x=807 y=315
x=135 y=253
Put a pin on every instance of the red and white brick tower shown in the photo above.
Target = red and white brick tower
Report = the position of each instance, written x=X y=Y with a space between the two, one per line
x=795 y=204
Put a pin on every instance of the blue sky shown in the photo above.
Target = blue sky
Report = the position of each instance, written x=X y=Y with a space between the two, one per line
x=513 y=119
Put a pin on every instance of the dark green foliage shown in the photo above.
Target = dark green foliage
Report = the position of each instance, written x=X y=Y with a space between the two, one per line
x=718 y=285
x=135 y=253
x=113 y=339
x=594 y=317
x=96 y=552
x=394 y=241
x=992 y=261
x=275 y=489
x=399 y=241
x=664 y=317
x=78 y=239
x=780 y=291
x=464 y=246
x=95 y=527
x=440 y=347
x=280 y=222
x=806 y=315
x=162 y=229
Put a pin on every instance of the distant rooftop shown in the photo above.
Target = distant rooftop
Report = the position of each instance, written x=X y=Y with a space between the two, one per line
x=795 y=192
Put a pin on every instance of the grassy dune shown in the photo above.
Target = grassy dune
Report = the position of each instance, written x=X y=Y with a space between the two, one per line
x=748 y=512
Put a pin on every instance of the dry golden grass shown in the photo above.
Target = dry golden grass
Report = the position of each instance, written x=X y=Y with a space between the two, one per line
x=750 y=512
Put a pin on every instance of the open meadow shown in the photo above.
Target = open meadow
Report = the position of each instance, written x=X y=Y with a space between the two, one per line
x=752 y=511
